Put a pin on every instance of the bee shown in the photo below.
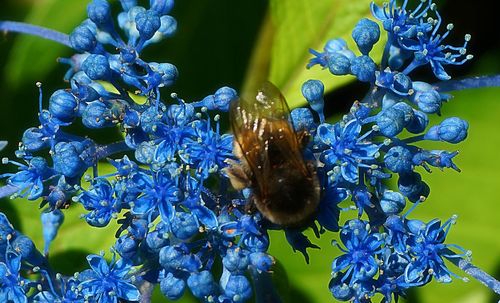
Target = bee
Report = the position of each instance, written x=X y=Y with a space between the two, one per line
x=285 y=188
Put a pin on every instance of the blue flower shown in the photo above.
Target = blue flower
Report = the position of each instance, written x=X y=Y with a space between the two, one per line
x=102 y=202
x=359 y=258
x=428 y=249
x=106 y=283
x=12 y=285
x=159 y=193
x=29 y=180
x=347 y=148
x=67 y=292
x=429 y=48
x=207 y=150
x=402 y=23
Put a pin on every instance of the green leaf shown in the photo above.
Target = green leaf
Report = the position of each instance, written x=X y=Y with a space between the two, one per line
x=32 y=58
x=300 y=25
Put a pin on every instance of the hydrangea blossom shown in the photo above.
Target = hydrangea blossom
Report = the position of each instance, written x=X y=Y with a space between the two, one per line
x=177 y=212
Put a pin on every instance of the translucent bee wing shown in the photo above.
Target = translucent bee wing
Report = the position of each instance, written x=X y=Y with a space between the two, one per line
x=265 y=135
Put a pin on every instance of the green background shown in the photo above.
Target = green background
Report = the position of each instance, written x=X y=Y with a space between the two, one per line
x=241 y=43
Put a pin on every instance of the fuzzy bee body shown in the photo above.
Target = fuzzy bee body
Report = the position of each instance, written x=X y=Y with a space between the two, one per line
x=284 y=185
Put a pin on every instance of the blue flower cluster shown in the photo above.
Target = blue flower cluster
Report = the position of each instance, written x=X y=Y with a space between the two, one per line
x=180 y=220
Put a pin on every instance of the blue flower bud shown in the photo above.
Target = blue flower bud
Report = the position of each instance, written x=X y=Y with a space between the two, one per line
x=27 y=249
x=168 y=26
x=34 y=139
x=97 y=67
x=63 y=105
x=184 y=225
x=363 y=68
x=223 y=97
x=412 y=187
x=398 y=159
x=392 y=202
x=128 y=55
x=59 y=194
x=335 y=45
x=202 y=284
x=402 y=83
x=97 y=115
x=313 y=91
x=391 y=121
x=99 y=11
x=145 y=152
x=172 y=287
x=261 y=261
x=168 y=72
x=339 y=64
x=156 y=240
x=427 y=98
x=236 y=260
x=366 y=34
x=82 y=39
x=67 y=161
x=51 y=221
x=390 y=99
x=128 y=4
x=180 y=114
x=171 y=258
x=147 y=23
x=131 y=118
x=126 y=247
x=341 y=291
x=162 y=7
x=451 y=130
x=302 y=119
x=138 y=229
x=406 y=109
x=238 y=288
x=85 y=93
x=419 y=122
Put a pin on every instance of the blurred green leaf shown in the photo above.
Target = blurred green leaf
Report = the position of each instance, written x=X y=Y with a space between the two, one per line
x=300 y=25
x=32 y=58
x=471 y=194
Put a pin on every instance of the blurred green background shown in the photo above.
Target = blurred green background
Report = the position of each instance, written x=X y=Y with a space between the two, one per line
x=239 y=44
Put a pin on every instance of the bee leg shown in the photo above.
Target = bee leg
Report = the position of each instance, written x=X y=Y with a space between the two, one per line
x=237 y=175
x=250 y=207
x=303 y=137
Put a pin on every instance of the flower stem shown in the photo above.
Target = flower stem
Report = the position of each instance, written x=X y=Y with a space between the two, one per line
x=49 y=34
x=468 y=83
x=8 y=190
x=113 y=148
x=476 y=273
x=264 y=289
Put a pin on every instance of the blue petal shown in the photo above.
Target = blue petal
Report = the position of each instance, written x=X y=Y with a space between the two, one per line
x=439 y=71
x=128 y=291
x=341 y=263
x=98 y=264
x=326 y=133
x=205 y=216
x=351 y=130
x=377 y=11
